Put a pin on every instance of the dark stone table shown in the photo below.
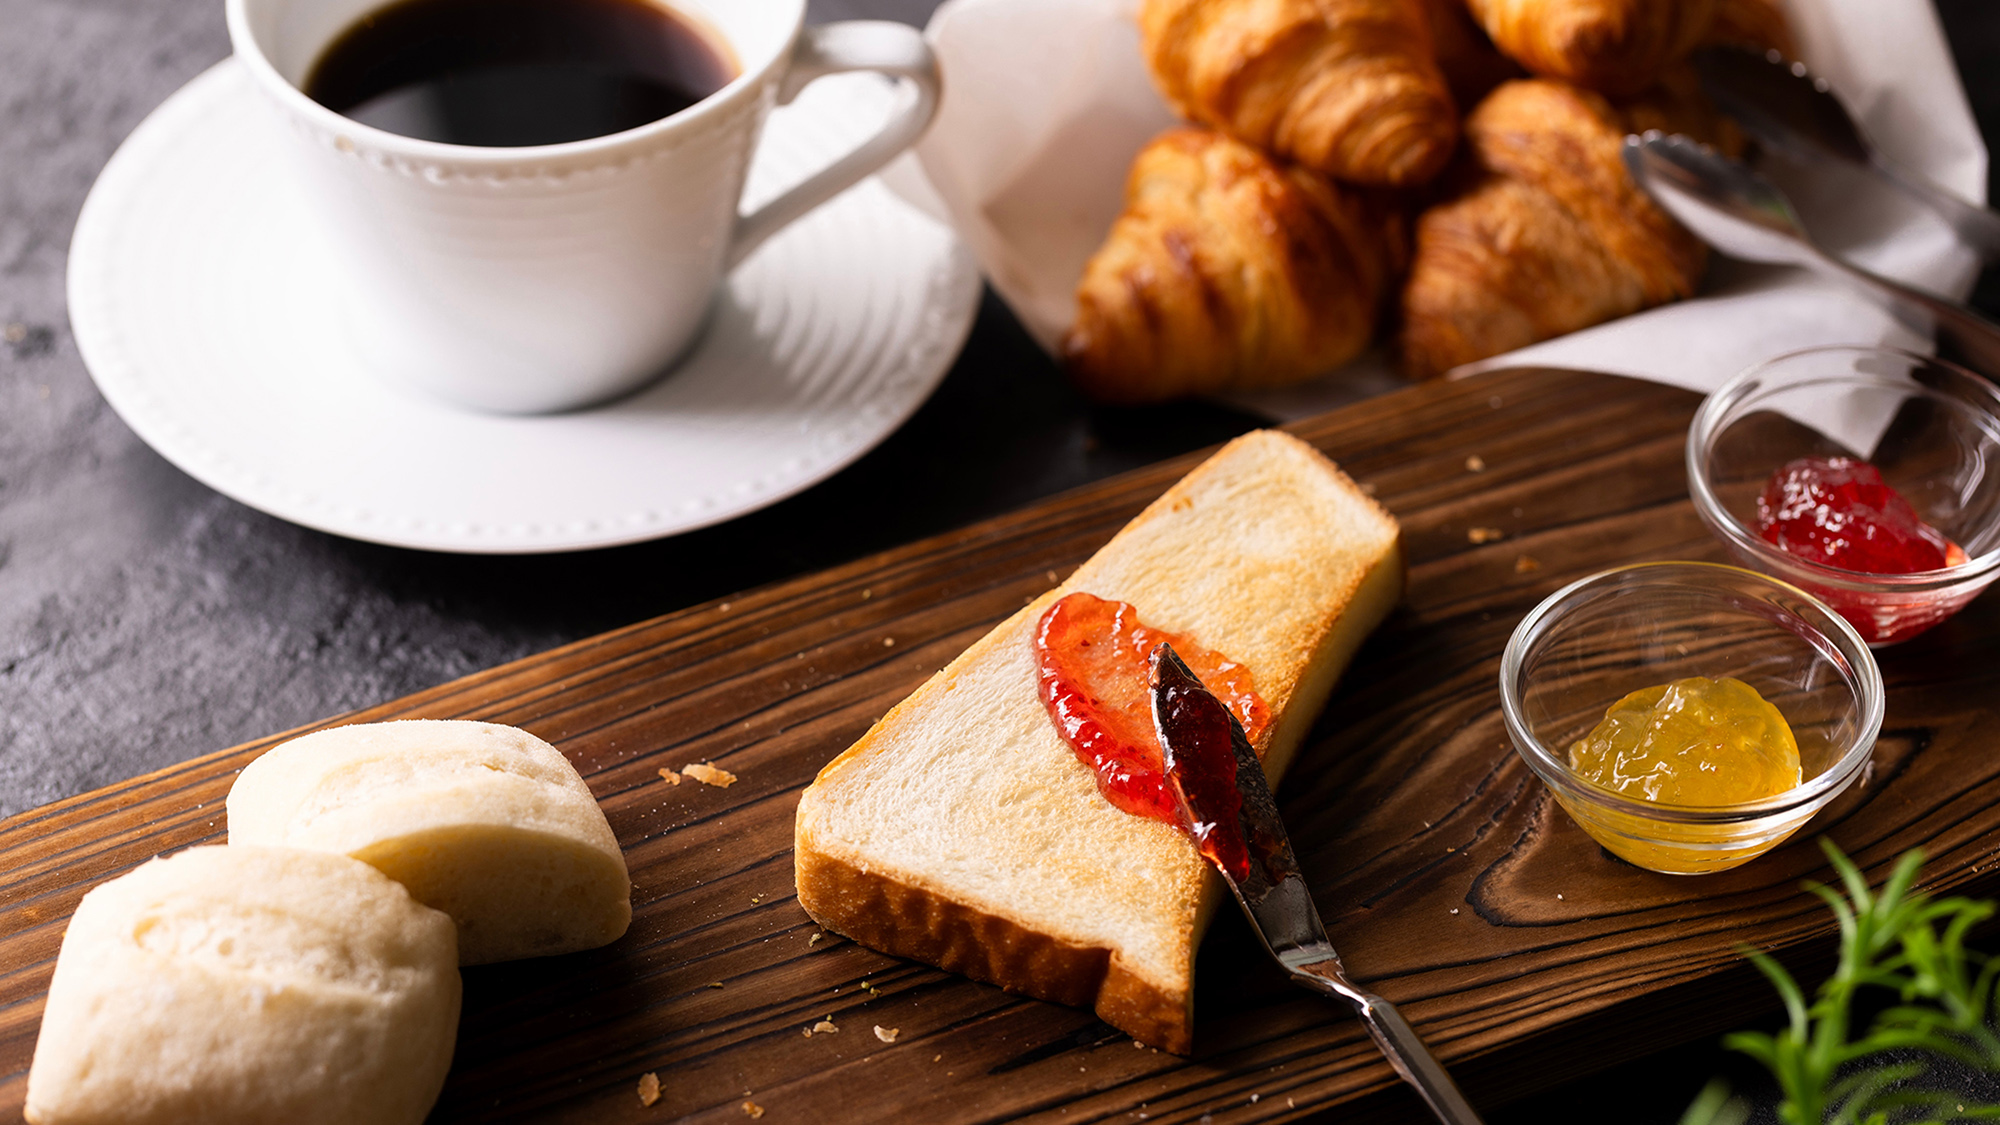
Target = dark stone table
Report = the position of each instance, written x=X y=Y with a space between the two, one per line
x=145 y=619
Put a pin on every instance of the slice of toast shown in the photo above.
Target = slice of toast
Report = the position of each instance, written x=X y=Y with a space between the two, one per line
x=963 y=831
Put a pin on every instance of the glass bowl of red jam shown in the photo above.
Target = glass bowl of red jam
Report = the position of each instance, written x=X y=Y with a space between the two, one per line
x=1868 y=477
x=1690 y=716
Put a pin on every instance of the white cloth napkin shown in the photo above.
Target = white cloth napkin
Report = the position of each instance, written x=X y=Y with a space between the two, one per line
x=1047 y=101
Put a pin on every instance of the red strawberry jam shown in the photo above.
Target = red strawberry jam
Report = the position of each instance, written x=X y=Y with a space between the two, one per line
x=1838 y=512
x=1094 y=658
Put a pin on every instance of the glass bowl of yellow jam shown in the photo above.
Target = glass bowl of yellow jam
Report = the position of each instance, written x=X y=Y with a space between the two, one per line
x=1690 y=716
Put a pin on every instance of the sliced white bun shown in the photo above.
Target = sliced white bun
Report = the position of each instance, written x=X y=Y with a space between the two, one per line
x=248 y=985
x=963 y=831
x=485 y=822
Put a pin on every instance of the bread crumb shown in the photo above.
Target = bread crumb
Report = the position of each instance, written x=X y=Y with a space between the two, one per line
x=670 y=777
x=807 y=1032
x=937 y=1058
x=887 y=1034
x=1454 y=910
x=725 y=607
x=710 y=775
x=826 y=1027
x=867 y=593
x=1484 y=534
x=1475 y=464
x=715 y=984
x=755 y=899
x=1254 y=1097
x=814 y=940
x=888 y=642
x=1138 y=1044
x=1052 y=576
x=1526 y=565
x=752 y=1109
x=1289 y=1105
x=1559 y=898
x=649 y=1087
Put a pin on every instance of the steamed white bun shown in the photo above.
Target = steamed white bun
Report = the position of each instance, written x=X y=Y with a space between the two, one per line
x=485 y=822
x=243 y=986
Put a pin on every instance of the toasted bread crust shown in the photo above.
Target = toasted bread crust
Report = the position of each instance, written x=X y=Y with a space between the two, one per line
x=962 y=831
x=912 y=922
x=879 y=911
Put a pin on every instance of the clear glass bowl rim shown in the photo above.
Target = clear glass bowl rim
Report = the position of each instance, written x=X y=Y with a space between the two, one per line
x=1554 y=770
x=1722 y=404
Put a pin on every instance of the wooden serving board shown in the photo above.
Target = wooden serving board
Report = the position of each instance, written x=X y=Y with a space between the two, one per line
x=1450 y=881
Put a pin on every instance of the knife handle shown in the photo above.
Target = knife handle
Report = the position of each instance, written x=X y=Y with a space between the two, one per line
x=1976 y=338
x=1398 y=1041
x=1977 y=226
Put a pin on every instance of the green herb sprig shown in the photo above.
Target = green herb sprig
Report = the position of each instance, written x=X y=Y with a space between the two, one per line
x=1909 y=945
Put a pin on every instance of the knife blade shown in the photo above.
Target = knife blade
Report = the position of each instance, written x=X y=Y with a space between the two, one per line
x=1228 y=807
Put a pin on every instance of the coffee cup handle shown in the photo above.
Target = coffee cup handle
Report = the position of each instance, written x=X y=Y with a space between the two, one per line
x=894 y=49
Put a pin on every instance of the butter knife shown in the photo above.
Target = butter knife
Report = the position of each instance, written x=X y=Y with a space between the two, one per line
x=1227 y=802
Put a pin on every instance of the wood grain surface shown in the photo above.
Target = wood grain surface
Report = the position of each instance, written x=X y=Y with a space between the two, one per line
x=1451 y=882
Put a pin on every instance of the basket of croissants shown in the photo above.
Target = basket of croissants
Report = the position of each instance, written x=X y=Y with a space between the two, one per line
x=1442 y=175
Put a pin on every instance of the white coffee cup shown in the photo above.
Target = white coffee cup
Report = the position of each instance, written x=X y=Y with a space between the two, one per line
x=528 y=280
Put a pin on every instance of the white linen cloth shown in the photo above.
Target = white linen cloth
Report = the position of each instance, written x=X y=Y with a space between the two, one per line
x=1047 y=101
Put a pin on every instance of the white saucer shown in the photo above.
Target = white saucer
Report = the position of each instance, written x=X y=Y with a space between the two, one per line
x=199 y=295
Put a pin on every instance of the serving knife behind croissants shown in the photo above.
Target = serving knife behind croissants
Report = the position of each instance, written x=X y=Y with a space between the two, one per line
x=1236 y=825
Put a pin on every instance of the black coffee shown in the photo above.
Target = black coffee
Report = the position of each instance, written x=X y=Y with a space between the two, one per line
x=517 y=72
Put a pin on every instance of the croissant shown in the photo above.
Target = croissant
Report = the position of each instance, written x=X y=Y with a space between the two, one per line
x=1228 y=271
x=1545 y=232
x=1348 y=88
x=1612 y=46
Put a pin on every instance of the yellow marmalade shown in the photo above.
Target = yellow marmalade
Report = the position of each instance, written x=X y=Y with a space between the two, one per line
x=1696 y=741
